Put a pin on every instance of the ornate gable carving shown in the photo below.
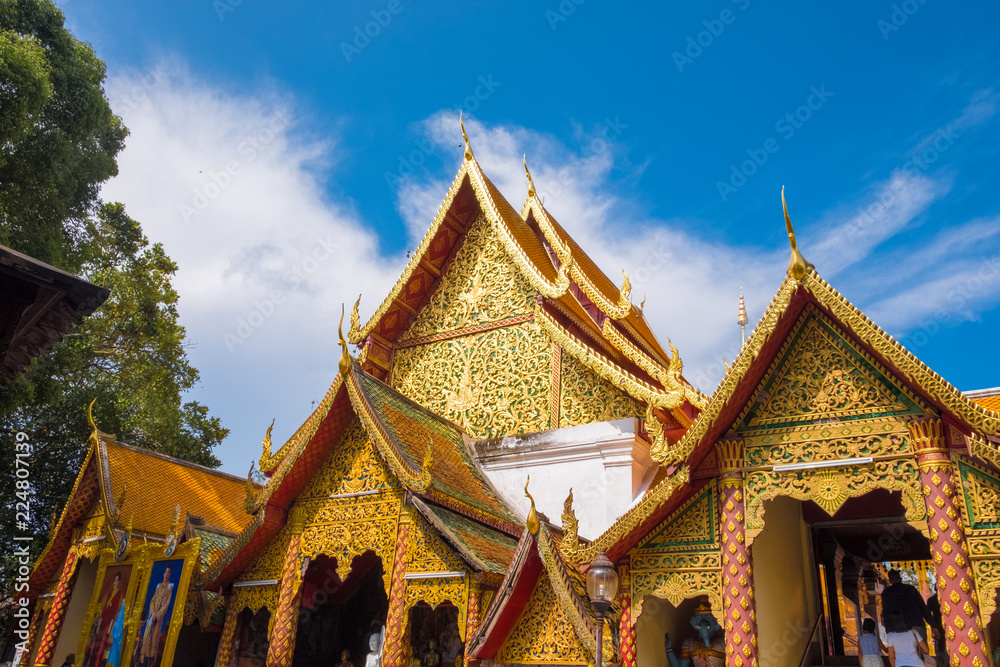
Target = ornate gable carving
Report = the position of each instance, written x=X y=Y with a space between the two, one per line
x=692 y=527
x=493 y=383
x=480 y=286
x=588 y=398
x=543 y=634
x=821 y=375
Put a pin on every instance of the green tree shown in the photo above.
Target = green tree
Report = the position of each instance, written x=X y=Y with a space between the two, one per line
x=129 y=355
x=58 y=136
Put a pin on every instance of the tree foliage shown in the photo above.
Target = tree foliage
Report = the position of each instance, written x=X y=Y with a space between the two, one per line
x=58 y=136
x=129 y=356
x=58 y=142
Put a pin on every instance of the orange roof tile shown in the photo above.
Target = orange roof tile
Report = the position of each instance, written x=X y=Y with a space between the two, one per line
x=990 y=402
x=156 y=483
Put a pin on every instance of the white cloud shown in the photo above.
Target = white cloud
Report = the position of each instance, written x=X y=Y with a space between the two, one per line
x=230 y=184
x=265 y=259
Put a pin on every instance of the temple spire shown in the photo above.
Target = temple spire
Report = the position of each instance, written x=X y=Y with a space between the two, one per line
x=741 y=318
x=798 y=267
x=465 y=137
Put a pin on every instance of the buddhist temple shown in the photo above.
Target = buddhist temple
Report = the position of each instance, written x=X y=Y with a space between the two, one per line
x=509 y=416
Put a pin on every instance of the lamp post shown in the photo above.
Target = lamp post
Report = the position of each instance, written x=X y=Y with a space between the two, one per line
x=602 y=586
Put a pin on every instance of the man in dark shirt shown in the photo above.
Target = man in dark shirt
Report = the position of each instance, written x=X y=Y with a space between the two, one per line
x=905 y=600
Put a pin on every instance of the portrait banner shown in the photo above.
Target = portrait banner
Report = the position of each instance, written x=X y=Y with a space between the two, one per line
x=151 y=642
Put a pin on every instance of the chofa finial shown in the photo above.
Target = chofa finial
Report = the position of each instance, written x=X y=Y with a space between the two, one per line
x=532 y=521
x=345 y=358
x=798 y=267
x=465 y=136
x=531 y=183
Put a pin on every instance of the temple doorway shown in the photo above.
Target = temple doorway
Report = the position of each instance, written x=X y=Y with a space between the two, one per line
x=250 y=648
x=337 y=616
x=434 y=637
x=818 y=577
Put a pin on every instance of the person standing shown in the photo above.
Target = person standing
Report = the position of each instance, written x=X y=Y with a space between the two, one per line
x=158 y=606
x=904 y=645
x=870 y=645
x=905 y=600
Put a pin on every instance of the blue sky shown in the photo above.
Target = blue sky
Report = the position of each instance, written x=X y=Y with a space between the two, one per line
x=659 y=133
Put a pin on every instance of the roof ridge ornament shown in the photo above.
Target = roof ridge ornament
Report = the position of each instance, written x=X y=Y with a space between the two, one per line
x=345 y=358
x=531 y=523
x=798 y=266
x=531 y=183
x=465 y=136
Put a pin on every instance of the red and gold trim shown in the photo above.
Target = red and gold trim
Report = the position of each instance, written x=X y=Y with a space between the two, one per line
x=472 y=617
x=286 y=617
x=626 y=628
x=738 y=601
x=58 y=612
x=392 y=651
x=956 y=589
x=224 y=657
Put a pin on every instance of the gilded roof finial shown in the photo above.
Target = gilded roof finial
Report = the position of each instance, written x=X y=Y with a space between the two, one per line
x=90 y=421
x=345 y=358
x=532 y=521
x=742 y=318
x=531 y=183
x=465 y=136
x=798 y=267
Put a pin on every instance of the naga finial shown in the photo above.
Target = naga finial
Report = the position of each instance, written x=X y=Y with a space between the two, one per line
x=798 y=266
x=465 y=136
x=90 y=421
x=531 y=183
x=532 y=521
x=345 y=358
x=355 y=317
x=267 y=443
x=625 y=295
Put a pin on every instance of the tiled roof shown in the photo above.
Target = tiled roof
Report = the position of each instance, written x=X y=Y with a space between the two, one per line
x=156 y=483
x=410 y=427
x=493 y=549
x=986 y=398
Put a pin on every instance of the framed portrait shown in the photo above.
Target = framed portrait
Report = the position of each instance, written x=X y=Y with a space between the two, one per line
x=158 y=606
x=105 y=634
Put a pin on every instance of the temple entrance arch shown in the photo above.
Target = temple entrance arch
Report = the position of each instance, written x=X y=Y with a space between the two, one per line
x=336 y=615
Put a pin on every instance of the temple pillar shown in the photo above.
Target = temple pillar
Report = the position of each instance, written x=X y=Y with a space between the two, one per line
x=59 y=603
x=739 y=604
x=392 y=652
x=29 y=642
x=626 y=629
x=224 y=657
x=956 y=588
x=286 y=616
x=472 y=616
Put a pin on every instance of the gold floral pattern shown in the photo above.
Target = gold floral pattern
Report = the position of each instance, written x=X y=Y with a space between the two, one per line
x=543 y=634
x=493 y=383
x=480 y=285
x=587 y=398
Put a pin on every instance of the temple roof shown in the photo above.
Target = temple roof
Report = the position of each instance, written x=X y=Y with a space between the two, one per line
x=986 y=398
x=141 y=488
x=40 y=305
x=579 y=307
x=428 y=454
x=156 y=483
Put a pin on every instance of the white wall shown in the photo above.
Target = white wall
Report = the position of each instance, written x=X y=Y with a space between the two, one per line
x=605 y=464
x=785 y=579
x=69 y=636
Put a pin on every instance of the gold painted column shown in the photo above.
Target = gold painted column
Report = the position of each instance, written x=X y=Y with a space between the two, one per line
x=472 y=617
x=58 y=612
x=392 y=652
x=738 y=602
x=286 y=616
x=956 y=588
x=626 y=628
x=224 y=657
